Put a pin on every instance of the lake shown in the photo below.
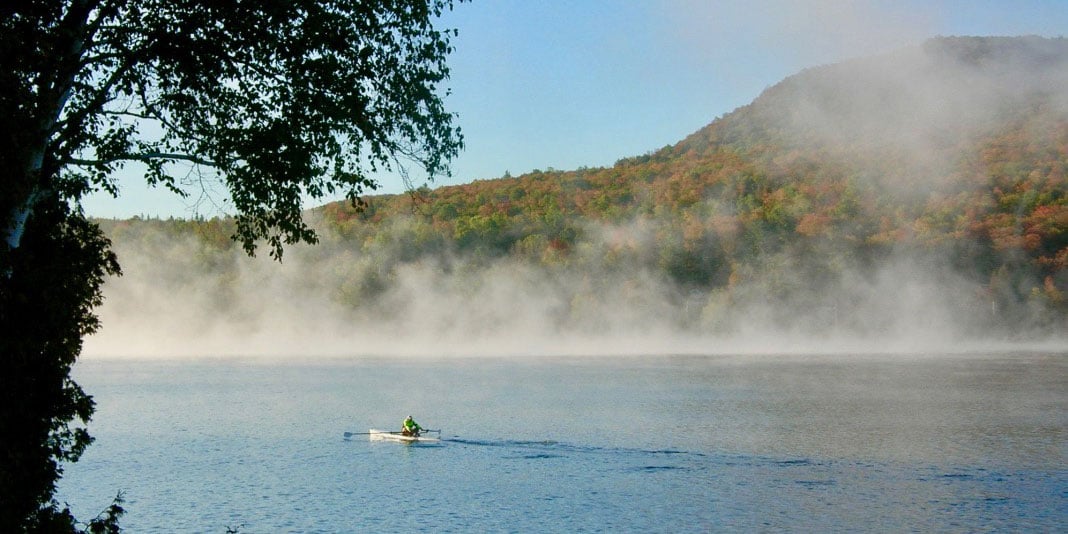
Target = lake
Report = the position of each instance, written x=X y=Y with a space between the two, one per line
x=947 y=443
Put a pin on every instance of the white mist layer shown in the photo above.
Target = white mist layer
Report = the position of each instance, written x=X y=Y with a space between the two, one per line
x=167 y=307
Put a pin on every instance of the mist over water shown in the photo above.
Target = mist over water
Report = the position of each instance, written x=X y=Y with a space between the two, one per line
x=167 y=305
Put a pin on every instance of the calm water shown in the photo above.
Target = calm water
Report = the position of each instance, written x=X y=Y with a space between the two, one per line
x=661 y=444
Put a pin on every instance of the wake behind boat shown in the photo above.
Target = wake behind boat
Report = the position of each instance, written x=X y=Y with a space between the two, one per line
x=380 y=435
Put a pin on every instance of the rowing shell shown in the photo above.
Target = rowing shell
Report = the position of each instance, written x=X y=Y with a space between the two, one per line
x=377 y=435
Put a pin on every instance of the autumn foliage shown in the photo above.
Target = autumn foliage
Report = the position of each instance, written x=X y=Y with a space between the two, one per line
x=767 y=203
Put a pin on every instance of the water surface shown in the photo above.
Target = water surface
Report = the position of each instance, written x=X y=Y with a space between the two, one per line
x=663 y=444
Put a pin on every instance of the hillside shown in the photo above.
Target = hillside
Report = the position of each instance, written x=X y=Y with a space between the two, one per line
x=922 y=192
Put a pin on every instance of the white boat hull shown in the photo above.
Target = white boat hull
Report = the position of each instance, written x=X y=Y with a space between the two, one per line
x=385 y=435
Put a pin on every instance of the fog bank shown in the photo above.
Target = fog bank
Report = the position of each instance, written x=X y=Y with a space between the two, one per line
x=179 y=298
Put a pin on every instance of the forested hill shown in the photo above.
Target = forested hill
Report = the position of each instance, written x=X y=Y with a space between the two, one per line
x=921 y=189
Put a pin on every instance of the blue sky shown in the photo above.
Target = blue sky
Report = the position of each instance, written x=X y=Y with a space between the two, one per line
x=541 y=84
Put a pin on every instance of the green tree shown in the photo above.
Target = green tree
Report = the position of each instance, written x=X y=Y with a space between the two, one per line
x=277 y=99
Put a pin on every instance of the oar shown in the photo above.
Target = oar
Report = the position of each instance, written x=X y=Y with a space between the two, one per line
x=350 y=434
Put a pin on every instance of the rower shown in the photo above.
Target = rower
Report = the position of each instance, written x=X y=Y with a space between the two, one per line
x=410 y=427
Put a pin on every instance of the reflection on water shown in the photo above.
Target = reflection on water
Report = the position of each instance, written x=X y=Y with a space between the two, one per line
x=957 y=442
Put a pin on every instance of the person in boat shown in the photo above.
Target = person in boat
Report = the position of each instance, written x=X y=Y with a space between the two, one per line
x=410 y=427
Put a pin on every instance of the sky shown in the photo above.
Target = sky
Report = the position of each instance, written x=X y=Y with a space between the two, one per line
x=539 y=84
